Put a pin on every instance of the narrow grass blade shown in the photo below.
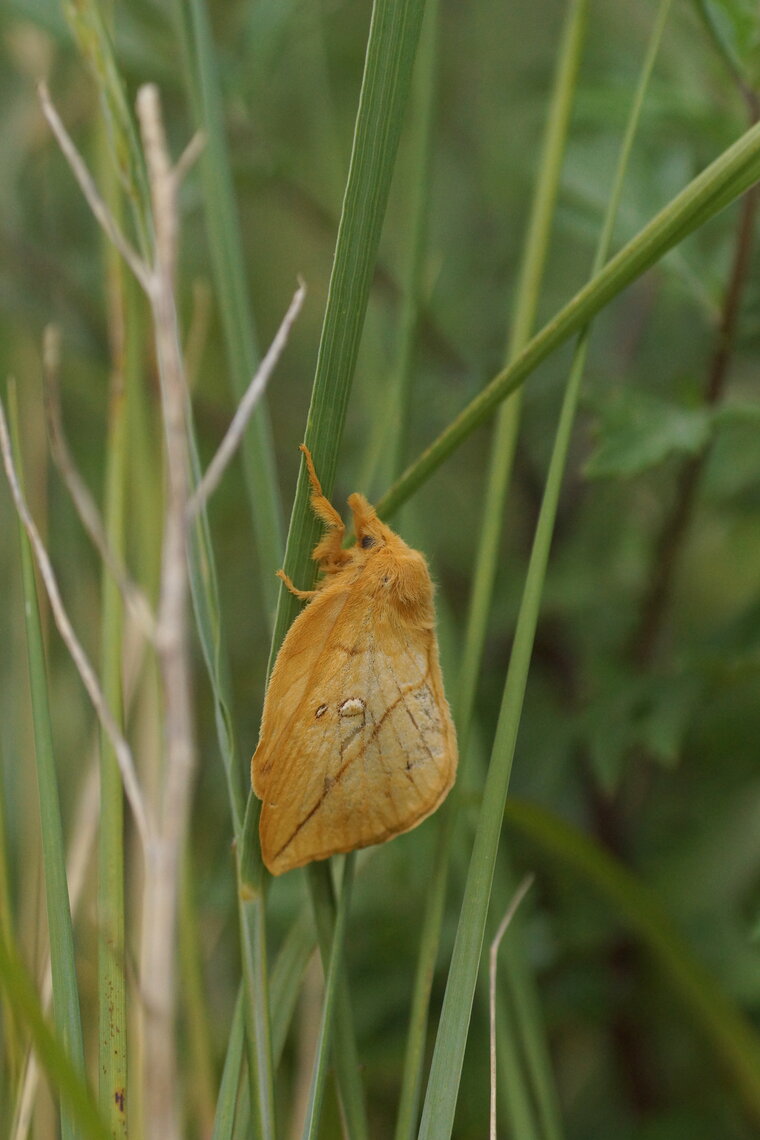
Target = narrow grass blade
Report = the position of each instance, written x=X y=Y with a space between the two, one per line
x=286 y=977
x=253 y=947
x=226 y=1105
x=422 y=107
x=284 y=984
x=113 y=1031
x=440 y=1102
x=13 y=1049
x=332 y=983
x=204 y=588
x=446 y=1068
x=112 y=999
x=502 y=451
x=731 y=1035
x=721 y=183
x=235 y=310
x=251 y=904
x=62 y=958
x=345 y=1055
x=88 y=22
x=78 y=1106
x=391 y=47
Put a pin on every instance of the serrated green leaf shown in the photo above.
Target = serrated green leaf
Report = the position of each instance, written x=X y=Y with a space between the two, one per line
x=638 y=431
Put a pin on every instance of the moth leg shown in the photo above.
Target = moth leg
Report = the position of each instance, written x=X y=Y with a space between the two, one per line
x=304 y=595
x=329 y=550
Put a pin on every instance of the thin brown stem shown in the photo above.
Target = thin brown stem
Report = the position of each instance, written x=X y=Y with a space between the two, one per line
x=675 y=525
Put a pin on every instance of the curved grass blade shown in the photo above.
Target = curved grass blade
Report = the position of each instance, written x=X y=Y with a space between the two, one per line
x=78 y=1105
x=721 y=183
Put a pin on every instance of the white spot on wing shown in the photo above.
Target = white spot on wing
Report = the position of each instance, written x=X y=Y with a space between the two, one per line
x=354 y=706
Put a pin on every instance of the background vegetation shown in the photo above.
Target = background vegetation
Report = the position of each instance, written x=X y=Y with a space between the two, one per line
x=629 y=985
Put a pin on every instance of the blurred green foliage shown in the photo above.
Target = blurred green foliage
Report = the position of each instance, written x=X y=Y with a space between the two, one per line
x=642 y=715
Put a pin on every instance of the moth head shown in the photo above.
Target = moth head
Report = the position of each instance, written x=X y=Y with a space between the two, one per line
x=390 y=568
x=372 y=535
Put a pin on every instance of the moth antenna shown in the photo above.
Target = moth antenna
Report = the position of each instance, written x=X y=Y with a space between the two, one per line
x=329 y=551
x=362 y=511
x=321 y=505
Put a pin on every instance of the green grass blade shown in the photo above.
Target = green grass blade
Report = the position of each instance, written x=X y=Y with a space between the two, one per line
x=62 y=959
x=721 y=183
x=440 y=1102
x=204 y=588
x=502 y=450
x=226 y=1105
x=527 y=297
x=87 y=22
x=524 y=1000
x=513 y=1085
x=251 y=903
x=392 y=43
x=113 y=1032
x=430 y=938
x=112 y=1000
x=254 y=955
x=285 y=980
x=345 y=1056
x=528 y=1014
x=332 y=985
x=233 y=300
x=732 y=1036
x=13 y=1049
x=418 y=179
x=79 y=1109
x=286 y=977
x=446 y=1068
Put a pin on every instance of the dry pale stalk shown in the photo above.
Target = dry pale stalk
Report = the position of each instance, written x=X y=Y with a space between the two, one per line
x=94 y=201
x=72 y=643
x=246 y=407
x=164 y=839
x=158 y=953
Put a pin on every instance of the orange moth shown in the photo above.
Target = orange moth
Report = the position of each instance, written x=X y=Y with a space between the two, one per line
x=357 y=744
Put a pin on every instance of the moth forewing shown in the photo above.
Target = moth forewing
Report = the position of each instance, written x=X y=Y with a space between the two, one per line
x=357 y=744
